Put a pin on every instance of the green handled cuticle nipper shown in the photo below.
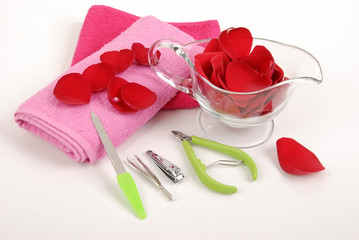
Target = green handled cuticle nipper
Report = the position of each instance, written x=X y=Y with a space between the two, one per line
x=200 y=168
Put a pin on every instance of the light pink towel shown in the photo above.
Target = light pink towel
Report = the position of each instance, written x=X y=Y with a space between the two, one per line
x=103 y=23
x=70 y=127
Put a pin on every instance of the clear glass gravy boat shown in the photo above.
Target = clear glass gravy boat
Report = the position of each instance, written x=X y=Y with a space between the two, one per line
x=240 y=119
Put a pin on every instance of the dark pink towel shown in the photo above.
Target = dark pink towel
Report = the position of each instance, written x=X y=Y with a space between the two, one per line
x=70 y=128
x=103 y=23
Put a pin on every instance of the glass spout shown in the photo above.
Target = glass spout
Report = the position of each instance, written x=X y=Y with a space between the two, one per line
x=299 y=66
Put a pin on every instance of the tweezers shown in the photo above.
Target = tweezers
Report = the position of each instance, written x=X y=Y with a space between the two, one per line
x=149 y=175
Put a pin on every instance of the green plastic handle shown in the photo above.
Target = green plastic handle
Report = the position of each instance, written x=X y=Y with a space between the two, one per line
x=200 y=169
x=231 y=151
x=129 y=188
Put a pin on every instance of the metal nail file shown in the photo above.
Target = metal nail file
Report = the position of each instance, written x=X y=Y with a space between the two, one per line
x=124 y=178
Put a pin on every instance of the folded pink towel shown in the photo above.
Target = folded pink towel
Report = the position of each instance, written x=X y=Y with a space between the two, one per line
x=103 y=23
x=70 y=128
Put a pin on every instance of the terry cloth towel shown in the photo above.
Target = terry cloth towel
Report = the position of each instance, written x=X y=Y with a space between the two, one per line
x=103 y=23
x=70 y=128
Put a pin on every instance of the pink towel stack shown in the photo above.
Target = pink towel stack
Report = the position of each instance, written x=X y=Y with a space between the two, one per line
x=70 y=128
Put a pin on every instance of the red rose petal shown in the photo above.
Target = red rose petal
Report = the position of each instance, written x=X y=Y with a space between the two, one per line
x=277 y=75
x=213 y=46
x=214 y=79
x=221 y=83
x=258 y=107
x=220 y=102
x=73 y=88
x=137 y=97
x=137 y=47
x=295 y=158
x=261 y=60
x=255 y=106
x=99 y=75
x=141 y=54
x=115 y=97
x=236 y=42
x=242 y=101
x=199 y=68
x=277 y=95
x=204 y=65
x=119 y=60
x=268 y=108
x=219 y=63
x=240 y=77
x=114 y=87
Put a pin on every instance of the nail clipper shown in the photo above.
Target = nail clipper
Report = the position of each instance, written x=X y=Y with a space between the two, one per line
x=171 y=170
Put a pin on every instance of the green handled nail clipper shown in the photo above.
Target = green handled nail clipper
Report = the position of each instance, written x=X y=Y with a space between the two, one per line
x=124 y=178
x=200 y=168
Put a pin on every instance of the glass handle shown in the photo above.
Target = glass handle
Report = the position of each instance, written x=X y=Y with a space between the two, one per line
x=181 y=83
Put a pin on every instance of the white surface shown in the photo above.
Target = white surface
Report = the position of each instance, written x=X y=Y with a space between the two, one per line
x=45 y=195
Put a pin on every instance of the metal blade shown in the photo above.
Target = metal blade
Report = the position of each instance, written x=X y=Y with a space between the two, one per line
x=182 y=136
x=111 y=151
x=167 y=193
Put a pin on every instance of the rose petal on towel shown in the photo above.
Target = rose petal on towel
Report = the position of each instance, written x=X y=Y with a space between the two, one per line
x=236 y=42
x=137 y=97
x=114 y=87
x=99 y=75
x=295 y=159
x=115 y=97
x=141 y=54
x=119 y=60
x=73 y=88
x=137 y=47
x=261 y=60
x=240 y=77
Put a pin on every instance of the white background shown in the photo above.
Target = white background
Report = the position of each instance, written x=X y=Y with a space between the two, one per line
x=46 y=195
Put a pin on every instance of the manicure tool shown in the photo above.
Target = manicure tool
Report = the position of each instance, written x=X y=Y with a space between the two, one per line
x=171 y=170
x=200 y=168
x=124 y=178
x=149 y=175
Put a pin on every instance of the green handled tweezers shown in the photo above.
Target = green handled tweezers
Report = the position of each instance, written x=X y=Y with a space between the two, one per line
x=200 y=168
x=124 y=178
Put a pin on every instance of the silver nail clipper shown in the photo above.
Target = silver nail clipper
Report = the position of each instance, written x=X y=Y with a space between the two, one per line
x=171 y=170
x=149 y=175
